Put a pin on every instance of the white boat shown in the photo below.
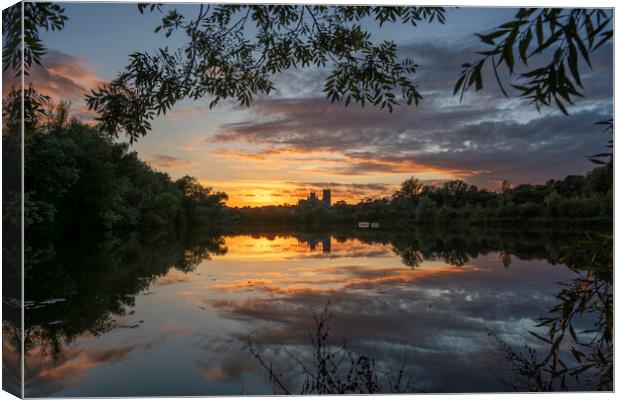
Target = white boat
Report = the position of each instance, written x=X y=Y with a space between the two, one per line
x=363 y=225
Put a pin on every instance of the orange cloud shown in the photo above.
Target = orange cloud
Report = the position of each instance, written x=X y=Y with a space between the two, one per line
x=289 y=155
x=184 y=112
x=338 y=278
x=46 y=376
x=174 y=276
x=336 y=162
x=316 y=278
x=227 y=370
x=60 y=76
x=164 y=161
x=176 y=329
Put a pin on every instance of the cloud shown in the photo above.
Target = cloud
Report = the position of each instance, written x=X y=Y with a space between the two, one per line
x=165 y=161
x=185 y=112
x=46 y=377
x=349 y=186
x=60 y=76
x=176 y=329
x=483 y=139
x=437 y=316
x=174 y=276
x=228 y=370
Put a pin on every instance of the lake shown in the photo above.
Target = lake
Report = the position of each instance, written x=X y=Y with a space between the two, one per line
x=188 y=314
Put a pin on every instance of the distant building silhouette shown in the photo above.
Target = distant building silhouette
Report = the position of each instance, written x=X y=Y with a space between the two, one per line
x=327 y=197
x=313 y=200
x=327 y=243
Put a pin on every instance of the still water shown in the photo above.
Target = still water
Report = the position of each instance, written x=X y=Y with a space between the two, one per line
x=176 y=316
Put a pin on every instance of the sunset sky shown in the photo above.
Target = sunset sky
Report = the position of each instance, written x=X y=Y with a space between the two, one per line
x=295 y=140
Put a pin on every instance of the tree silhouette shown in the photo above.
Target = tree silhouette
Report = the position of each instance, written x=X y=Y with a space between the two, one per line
x=410 y=189
x=36 y=15
x=234 y=52
x=555 y=36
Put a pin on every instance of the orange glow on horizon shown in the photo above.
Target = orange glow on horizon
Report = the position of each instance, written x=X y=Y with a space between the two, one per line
x=270 y=175
x=315 y=271
x=257 y=194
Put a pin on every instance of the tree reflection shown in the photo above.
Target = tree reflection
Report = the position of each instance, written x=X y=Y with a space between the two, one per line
x=454 y=247
x=89 y=286
x=577 y=333
x=574 y=348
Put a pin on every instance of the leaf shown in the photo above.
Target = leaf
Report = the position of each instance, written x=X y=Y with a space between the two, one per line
x=583 y=50
x=589 y=31
x=535 y=72
x=552 y=39
x=573 y=63
x=499 y=81
x=572 y=332
x=577 y=354
x=513 y=24
x=524 y=44
x=525 y=12
x=560 y=105
x=489 y=38
x=540 y=37
x=539 y=337
x=606 y=36
x=458 y=84
x=478 y=78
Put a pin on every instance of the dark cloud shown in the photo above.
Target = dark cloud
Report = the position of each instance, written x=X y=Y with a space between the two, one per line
x=484 y=139
x=440 y=65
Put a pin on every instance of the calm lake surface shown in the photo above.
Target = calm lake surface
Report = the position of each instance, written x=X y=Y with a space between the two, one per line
x=174 y=316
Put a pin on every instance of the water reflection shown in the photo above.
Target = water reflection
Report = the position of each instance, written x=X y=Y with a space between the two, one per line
x=134 y=315
x=578 y=329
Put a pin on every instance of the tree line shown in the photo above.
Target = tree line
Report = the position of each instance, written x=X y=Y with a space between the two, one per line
x=576 y=199
x=100 y=184
x=78 y=180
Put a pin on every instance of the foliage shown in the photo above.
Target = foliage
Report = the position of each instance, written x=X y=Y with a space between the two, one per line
x=234 y=51
x=36 y=15
x=609 y=155
x=570 y=35
x=577 y=333
x=79 y=180
x=34 y=103
x=97 y=277
x=426 y=210
x=410 y=189
x=573 y=200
